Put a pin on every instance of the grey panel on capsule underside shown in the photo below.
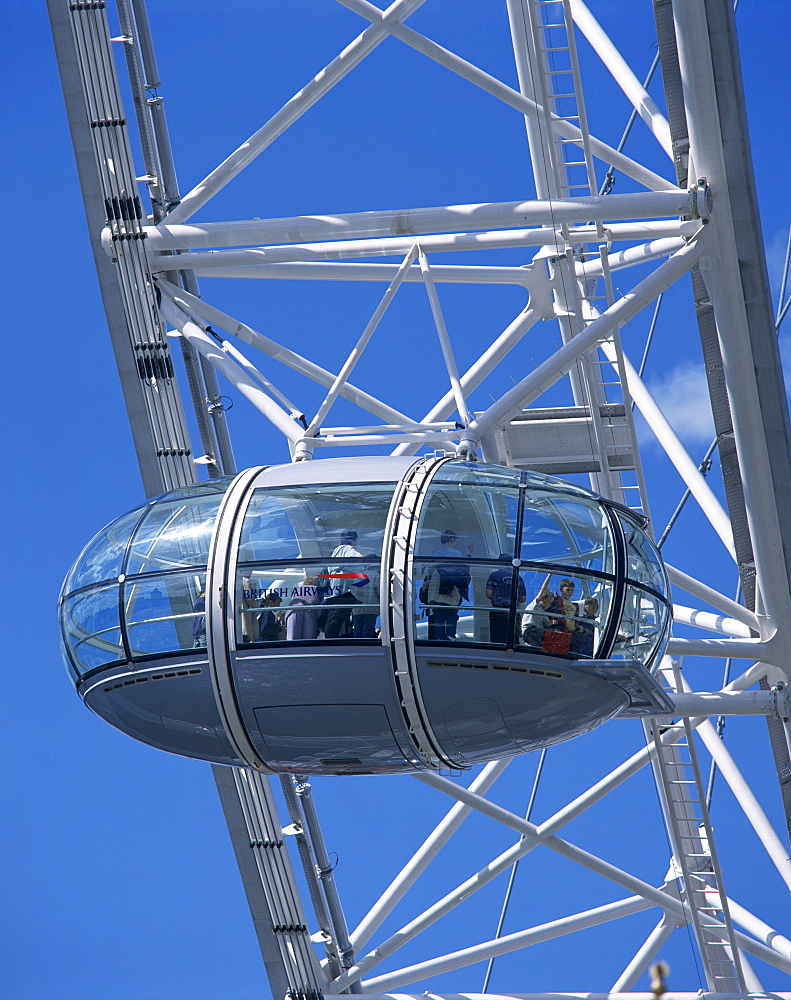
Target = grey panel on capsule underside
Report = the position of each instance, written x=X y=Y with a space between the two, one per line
x=316 y=736
x=321 y=673
x=175 y=713
x=477 y=726
x=538 y=709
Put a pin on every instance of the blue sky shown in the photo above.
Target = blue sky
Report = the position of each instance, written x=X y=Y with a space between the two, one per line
x=118 y=874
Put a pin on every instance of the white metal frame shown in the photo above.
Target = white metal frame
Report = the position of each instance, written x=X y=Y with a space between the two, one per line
x=584 y=238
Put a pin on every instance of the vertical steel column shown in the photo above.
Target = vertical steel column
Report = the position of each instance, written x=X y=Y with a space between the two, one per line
x=85 y=59
x=158 y=154
x=99 y=135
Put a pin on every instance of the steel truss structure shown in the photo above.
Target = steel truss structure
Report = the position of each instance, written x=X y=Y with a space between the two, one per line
x=689 y=210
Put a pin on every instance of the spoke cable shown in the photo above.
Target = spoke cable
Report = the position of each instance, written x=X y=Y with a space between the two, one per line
x=512 y=877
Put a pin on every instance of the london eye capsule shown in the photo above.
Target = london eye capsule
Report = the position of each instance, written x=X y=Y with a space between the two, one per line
x=366 y=616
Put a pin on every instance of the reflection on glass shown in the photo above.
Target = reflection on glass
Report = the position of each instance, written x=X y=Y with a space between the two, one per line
x=102 y=558
x=642 y=626
x=165 y=613
x=497 y=603
x=477 y=522
x=559 y=530
x=478 y=472
x=219 y=485
x=319 y=522
x=91 y=629
x=644 y=564
x=567 y=615
x=174 y=535
x=309 y=600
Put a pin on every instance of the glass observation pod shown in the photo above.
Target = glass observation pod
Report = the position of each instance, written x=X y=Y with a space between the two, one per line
x=365 y=616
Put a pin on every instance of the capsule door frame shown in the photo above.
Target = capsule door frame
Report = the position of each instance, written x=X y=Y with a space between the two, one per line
x=221 y=610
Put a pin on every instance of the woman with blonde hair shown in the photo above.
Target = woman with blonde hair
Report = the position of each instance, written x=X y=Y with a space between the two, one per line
x=539 y=619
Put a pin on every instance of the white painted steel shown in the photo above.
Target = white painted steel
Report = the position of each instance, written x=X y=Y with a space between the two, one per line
x=667 y=995
x=511 y=942
x=417 y=221
x=704 y=703
x=627 y=258
x=645 y=956
x=747 y=649
x=301 y=102
x=643 y=104
x=200 y=261
x=280 y=353
x=575 y=240
x=555 y=367
x=713 y=597
x=509 y=96
x=721 y=273
x=359 y=347
x=676 y=452
x=444 y=340
x=711 y=622
x=769 y=935
x=774 y=847
x=508 y=858
x=423 y=856
x=236 y=375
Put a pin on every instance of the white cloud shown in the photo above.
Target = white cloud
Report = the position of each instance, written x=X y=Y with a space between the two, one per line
x=683 y=397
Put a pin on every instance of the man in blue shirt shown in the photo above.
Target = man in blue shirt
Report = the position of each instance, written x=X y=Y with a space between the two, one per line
x=499 y=588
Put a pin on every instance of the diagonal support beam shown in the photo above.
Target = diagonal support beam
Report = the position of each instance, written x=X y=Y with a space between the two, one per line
x=352 y=56
x=716 y=515
x=423 y=856
x=555 y=367
x=638 y=97
x=359 y=347
x=282 y=354
x=442 y=332
x=234 y=372
x=524 y=105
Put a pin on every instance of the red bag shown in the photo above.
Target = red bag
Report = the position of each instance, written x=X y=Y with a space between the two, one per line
x=556 y=642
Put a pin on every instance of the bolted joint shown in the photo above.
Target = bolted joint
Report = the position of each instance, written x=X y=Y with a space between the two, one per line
x=782 y=708
x=467 y=448
x=702 y=200
x=303 y=450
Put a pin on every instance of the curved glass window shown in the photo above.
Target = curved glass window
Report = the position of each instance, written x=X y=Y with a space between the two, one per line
x=642 y=628
x=644 y=564
x=309 y=563
x=312 y=523
x=567 y=531
x=308 y=600
x=91 y=628
x=156 y=556
x=511 y=606
x=480 y=473
x=102 y=558
x=219 y=485
x=174 y=535
x=165 y=612
x=520 y=561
